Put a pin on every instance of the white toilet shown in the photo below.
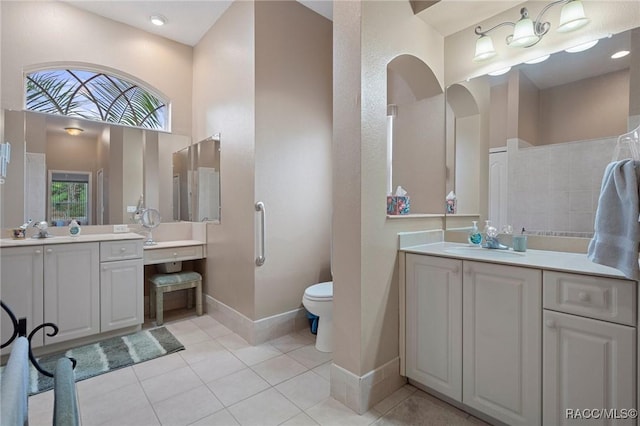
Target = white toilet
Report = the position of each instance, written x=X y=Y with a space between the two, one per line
x=318 y=299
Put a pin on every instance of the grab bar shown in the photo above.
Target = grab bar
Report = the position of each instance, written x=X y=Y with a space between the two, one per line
x=260 y=208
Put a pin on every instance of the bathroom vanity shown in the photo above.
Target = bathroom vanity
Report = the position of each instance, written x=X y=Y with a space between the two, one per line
x=518 y=338
x=86 y=285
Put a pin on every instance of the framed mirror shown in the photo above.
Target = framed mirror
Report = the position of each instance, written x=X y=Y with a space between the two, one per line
x=66 y=168
x=552 y=130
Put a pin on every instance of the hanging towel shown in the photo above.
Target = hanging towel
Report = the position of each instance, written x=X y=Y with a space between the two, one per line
x=617 y=231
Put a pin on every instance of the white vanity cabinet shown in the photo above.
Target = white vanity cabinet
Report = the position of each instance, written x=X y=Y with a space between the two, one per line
x=72 y=290
x=121 y=289
x=434 y=323
x=473 y=333
x=502 y=341
x=22 y=273
x=588 y=362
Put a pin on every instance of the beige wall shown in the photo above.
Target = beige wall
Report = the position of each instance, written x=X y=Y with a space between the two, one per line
x=499 y=115
x=606 y=17
x=292 y=151
x=593 y=108
x=224 y=102
x=13 y=188
x=529 y=107
x=367 y=36
x=35 y=33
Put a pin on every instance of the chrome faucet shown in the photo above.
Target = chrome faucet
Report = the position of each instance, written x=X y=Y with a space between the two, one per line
x=491 y=239
x=42 y=228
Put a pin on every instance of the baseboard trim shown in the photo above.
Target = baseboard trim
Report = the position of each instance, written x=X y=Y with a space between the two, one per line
x=360 y=393
x=259 y=331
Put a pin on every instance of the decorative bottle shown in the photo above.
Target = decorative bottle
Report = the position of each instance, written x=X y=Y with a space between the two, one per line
x=74 y=228
x=474 y=237
x=487 y=226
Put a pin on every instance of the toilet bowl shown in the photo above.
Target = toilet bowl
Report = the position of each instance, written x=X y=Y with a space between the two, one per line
x=318 y=299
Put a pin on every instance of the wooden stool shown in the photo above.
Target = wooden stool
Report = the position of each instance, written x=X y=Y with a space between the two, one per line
x=165 y=283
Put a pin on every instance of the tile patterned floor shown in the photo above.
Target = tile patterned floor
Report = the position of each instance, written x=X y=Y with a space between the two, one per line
x=219 y=379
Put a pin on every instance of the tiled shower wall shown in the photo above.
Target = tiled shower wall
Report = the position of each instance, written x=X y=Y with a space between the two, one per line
x=554 y=189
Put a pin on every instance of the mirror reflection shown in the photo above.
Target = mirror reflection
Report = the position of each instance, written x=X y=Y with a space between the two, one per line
x=415 y=139
x=196 y=181
x=552 y=129
x=97 y=173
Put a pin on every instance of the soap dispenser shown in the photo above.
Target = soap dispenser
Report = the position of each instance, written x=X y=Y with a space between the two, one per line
x=487 y=225
x=474 y=237
x=74 y=228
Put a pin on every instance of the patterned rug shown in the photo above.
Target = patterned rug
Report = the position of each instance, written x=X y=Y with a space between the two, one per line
x=108 y=355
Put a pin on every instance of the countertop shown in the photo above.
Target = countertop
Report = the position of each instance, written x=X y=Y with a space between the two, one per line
x=540 y=259
x=176 y=243
x=82 y=238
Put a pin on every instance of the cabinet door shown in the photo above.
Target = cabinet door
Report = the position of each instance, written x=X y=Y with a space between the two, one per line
x=72 y=290
x=502 y=309
x=587 y=364
x=21 y=290
x=121 y=294
x=434 y=323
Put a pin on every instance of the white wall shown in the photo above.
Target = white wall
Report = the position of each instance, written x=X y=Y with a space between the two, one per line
x=44 y=32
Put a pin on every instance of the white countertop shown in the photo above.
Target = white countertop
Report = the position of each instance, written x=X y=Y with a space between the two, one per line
x=176 y=243
x=82 y=238
x=541 y=259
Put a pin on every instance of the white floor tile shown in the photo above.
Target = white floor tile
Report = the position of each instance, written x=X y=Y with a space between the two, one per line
x=238 y=386
x=266 y=408
x=394 y=399
x=324 y=370
x=221 y=418
x=252 y=355
x=41 y=408
x=142 y=416
x=301 y=419
x=332 y=412
x=305 y=390
x=99 y=385
x=187 y=407
x=309 y=356
x=220 y=364
x=290 y=342
x=169 y=384
x=112 y=405
x=201 y=351
x=277 y=370
x=155 y=367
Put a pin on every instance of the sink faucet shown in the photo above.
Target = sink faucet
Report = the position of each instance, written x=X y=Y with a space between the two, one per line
x=491 y=240
x=42 y=228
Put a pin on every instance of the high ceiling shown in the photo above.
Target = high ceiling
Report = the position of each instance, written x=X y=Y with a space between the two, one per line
x=189 y=20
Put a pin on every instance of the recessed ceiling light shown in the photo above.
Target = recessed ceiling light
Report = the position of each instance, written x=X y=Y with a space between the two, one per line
x=538 y=60
x=582 y=47
x=499 y=72
x=73 y=131
x=620 y=54
x=158 y=20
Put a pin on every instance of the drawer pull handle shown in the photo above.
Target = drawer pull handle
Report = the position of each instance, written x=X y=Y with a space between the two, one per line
x=49 y=250
x=584 y=296
x=38 y=251
x=550 y=323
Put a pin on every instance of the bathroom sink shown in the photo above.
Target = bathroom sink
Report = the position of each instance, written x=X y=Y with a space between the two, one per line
x=475 y=251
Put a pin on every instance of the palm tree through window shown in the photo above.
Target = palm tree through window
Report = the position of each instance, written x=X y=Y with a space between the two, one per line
x=94 y=96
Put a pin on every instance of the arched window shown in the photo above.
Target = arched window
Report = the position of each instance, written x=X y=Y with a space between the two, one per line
x=94 y=96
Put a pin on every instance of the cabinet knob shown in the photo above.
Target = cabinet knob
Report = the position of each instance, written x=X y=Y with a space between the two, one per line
x=104 y=268
x=175 y=254
x=550 y=323
x=49 y=250
x=583 y=296
x=122 y=249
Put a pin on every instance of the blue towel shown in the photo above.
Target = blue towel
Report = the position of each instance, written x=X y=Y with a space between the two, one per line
x=14 y=390
x=617 y=231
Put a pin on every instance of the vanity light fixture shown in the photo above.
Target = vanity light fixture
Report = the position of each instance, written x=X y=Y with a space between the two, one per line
x=620 y=54
x=158 y=20
x=73 y=131
x=528 y=32
x=538 y=60
x=582 y=47
x=499 y=72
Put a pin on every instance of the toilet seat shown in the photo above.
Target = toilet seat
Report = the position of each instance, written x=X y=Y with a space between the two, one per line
x=320 y=292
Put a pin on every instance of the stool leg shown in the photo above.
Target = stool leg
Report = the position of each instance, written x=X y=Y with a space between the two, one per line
x=152 y=301
x=198 y=291
x=159 y=307
x=189 y=299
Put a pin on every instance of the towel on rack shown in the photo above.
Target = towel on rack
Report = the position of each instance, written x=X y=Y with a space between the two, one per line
x=617 y=231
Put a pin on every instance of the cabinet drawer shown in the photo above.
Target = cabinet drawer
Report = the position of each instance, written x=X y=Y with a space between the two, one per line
x=172 y=254
x=120 y=250
x=608 y=299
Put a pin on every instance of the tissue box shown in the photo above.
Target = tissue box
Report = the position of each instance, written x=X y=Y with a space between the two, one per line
x=398 y=204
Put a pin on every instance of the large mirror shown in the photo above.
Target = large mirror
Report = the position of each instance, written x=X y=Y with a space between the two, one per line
x=196 y=181
x=416 y=134
x=553 y=127
x=98 y=175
